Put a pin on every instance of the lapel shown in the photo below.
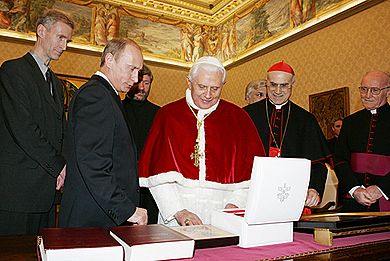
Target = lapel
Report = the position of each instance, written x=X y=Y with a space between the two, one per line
x=116 y=99
x=43 y=86
x=58 y=90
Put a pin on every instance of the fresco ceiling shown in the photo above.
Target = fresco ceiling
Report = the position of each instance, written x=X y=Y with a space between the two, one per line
x=177 y=32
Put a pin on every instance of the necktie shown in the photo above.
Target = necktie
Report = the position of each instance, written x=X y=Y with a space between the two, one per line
x=49 y=81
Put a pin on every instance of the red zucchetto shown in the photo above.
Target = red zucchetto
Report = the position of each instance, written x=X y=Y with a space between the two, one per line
x=282 y=67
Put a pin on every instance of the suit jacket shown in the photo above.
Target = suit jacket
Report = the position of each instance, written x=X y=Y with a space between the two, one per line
x=31 y=136
x=101 y=187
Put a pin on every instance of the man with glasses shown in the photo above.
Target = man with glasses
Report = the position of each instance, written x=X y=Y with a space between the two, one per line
x=140 y=113
x=32 y=123
x=290 y=131
x=197 y=157
x=362 y=156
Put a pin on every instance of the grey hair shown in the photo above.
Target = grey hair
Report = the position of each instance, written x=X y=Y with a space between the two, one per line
x=254 y=85
x=52 y=16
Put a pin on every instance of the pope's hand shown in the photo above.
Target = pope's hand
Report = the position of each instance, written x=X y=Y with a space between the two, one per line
x=230 y=205
x=140 y=217
x=312 y=198
x=187 y=218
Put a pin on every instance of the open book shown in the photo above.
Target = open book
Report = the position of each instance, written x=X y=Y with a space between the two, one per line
x=207 y=236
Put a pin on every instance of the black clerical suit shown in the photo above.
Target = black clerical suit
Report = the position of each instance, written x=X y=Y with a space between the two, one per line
x=363 y=132
x=331 y=144
x=32 y=123
x=297 y=134
x=101 y=187
x=140 y=116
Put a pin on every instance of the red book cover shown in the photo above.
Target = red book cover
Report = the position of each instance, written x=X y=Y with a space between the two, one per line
x=65 y=238
x=76 y=244
x=153 y=242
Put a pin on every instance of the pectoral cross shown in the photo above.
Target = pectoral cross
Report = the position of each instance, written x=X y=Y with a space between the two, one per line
x=196 y=155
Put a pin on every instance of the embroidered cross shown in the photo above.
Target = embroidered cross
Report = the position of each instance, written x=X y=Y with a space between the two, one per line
x=196 y=155
x=283 y=192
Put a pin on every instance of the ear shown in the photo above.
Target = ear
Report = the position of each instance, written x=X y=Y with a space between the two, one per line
x=293 y=80
x=41 y=31
x=189 y=84
x=109 y=60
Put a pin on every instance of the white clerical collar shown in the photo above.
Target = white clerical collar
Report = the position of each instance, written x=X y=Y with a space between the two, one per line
x=99 y=73
x=190 y=101
x=373 y=111
x=278 y=106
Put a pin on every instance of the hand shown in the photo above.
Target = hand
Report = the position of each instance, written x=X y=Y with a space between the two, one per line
x=230 y=205
x=140 y=217
x=312 y=198
x=61 y=179
x=374 y=192
x=187 y=218
x=363 y=197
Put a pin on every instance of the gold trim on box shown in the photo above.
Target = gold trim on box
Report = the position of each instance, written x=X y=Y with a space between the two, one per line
x=353 y=214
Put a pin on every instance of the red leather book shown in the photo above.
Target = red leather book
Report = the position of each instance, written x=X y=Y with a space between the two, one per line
x=78 y=244
x=153 y=242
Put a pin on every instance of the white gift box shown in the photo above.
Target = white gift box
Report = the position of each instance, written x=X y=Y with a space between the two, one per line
x=276 y=198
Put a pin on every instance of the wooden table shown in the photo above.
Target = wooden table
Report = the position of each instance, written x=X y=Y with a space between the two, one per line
x=23 y=248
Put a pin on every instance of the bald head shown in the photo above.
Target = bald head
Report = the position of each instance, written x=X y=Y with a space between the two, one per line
x=374 y=89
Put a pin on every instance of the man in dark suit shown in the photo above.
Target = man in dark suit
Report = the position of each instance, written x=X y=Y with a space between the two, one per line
x=31 y=130
x=101 y=188
x=140 y=114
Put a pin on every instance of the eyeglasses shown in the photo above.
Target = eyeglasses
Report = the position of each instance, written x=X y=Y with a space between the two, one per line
x=282 y=86
x=374 y=90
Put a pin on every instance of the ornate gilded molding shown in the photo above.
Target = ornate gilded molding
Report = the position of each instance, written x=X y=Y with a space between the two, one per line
x=197 y=12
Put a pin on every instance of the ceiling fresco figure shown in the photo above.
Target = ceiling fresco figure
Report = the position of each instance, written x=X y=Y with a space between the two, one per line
x=112 y=24
x=101 y=25
x=302 y=11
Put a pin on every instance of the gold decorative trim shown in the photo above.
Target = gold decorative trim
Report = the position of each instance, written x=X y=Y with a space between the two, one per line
x=341 y=11
x=213 y=21
x=180 y=10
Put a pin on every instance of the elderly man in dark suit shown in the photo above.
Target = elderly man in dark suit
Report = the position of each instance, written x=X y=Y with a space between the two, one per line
x=101 y=188
x=31 y=130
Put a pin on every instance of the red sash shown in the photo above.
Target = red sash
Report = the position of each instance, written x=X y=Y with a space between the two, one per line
x=375 y=164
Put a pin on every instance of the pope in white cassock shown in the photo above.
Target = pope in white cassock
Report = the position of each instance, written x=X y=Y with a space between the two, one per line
x=199 y=153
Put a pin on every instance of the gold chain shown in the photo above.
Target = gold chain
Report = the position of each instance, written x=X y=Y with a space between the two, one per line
x=197 y=154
